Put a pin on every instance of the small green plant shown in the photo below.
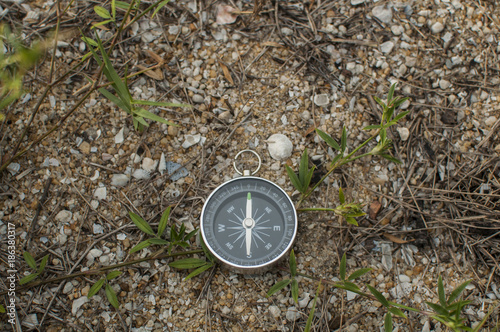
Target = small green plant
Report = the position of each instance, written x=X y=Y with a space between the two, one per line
x=30 y=260
x=177 y=237
x=14 y=64
x=199 y=265
x=110 y=293
x=285 y=282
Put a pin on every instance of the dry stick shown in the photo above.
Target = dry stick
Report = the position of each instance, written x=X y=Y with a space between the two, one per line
x=104 y=269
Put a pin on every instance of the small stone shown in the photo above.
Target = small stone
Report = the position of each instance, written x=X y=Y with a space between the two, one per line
x=141 y=174
x=78 y=303
x=119 y=180
x=292 y=314
x=68 y=287
x=119 y=137
x=357 y=2
x=287 y=31
x=13 y=168
x=397 y=30
x=191 y=140
x=387 y=47
x=382 y=13
x=404 y=278
x=437 y=27
x=404 y=133
x=225 y=116
x=85 y=148
x=444 y=84
x=163 y=164
x=280 y=147
x=30 y=321
x=275 y=311
x=490 y=121
x=321 y=99
x=100 y=193
x=198 y=99
x=351 y=295
x=304 y=301
x=149 y=164
x=64 y=216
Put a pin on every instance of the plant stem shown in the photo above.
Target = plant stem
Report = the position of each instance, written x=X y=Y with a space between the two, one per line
x=105 y=268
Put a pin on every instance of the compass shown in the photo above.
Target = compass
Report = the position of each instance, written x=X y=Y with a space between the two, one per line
x=248 y=223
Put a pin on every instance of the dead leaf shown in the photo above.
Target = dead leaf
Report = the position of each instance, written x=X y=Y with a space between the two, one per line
x=271 y=44
x=155 y=56
x=155 y=74
x=226 y=72
x=226 y=14
x=395 y=239
x=374 y=209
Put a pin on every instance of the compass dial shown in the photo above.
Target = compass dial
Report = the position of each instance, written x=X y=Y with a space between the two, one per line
x=248 y=223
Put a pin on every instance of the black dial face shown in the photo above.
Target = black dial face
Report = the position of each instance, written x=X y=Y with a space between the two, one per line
x=248 y=222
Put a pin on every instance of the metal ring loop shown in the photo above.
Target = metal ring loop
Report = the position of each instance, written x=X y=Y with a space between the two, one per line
x=239 y=153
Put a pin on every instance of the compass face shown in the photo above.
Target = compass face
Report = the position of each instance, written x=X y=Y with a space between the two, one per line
x=248 y=223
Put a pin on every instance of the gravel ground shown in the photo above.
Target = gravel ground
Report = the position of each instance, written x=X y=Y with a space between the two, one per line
x=294 y=67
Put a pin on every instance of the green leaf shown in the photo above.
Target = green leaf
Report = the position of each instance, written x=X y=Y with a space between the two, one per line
x=390 y=158
x=199 y=270
x=187 y=263
x=141 y=223
x=383 y=135
x=111 y=295
x=295 y=290
x=328 y=140
x=163 y=221
x=115 y=100
x=311 y=314
x=379 y=101
x=371 y=127
x=390 y=95
x=352 y=221
x=160 y=5
x=309 y=178
x=89 y=41
x=158 y=103
x=140 y=246
x=438 y=309
x=351 y=285
x=2 y=309
x=337 y=157
x=457 y=291
x=141 y=112
x=399 y=101
x=400 y=115
x=341 y=196
x=358 y=273
x=102 y=12
x=43 y=263
x=388 y=113
x=397 y=312
x=190 y=235
x=388 y=322
x=113 y=274
x=29 y=260
x=278 y=286
x=294 y=179
x=304 y=169
x=441 y=295
x=122 y=5
x=381 y=298
x=293 y=264
x=343 y=140
x=113 y=8
x=139 y=121
x=159 y=241
x=207 y=252
x=95 y=25
x=28 y=278
x=343 y=267
x=95 y=288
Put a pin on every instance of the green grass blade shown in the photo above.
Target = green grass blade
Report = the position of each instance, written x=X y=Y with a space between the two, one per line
x=313 y=309
x=187 y=263
x=457 y=291
x=303 y=168
x=341 y=196
x=113 y=274
x=381 y=298
x=111 y=295
x=159 y=241
x=294 y=179
x=342 y=270
x=343 y=140
x=278 y=286
x=199 y=270
x=391 y=158
x=358 y=273
x=43 y=263
x=158 y=103
x=29 y=260
x=371 y=127
x=388 y=322
x=441 y=295
x=295 y=290
x=28 y=278
x=163 y=222
x=160 y=6
x=328 y=140
x=140 y=246
x=293 y=264
x=115 y=100
x=95 y=288
x=141 y=223
x=379 y=101
x=397 y=312
x=141 y=112
x=390 y=95
x=438 y=309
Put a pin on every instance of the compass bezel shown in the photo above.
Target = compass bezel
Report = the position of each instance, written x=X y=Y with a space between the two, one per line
x=211 y=241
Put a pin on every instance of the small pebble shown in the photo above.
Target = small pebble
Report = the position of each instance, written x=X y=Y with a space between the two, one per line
x=437 y=27
x=444 y=84
x=119 y=137
x=100 y=193
x=198 y=99
x=280 y=147
x=387 y=47
x=321 y=100
x=383 y=13
x=404 y=133
x=119 y=180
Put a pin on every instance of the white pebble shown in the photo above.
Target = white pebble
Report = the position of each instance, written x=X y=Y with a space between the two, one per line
x=163 y=164
x=64 y=216
x=119 y=180
x=387 y=47
x=321 y=100
x=198 y=99
x=444 y=84
x=119 y=137
x=141 y=174
x=280 y=147
x=404 y=278
x=292 y=314
x=490 y=121
x=382 y=13
x=149 y=164
x=437 y=27
x=78 y=303
x=404 y=133
x=397 y=30
x=100 y=193
x=275 y=311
